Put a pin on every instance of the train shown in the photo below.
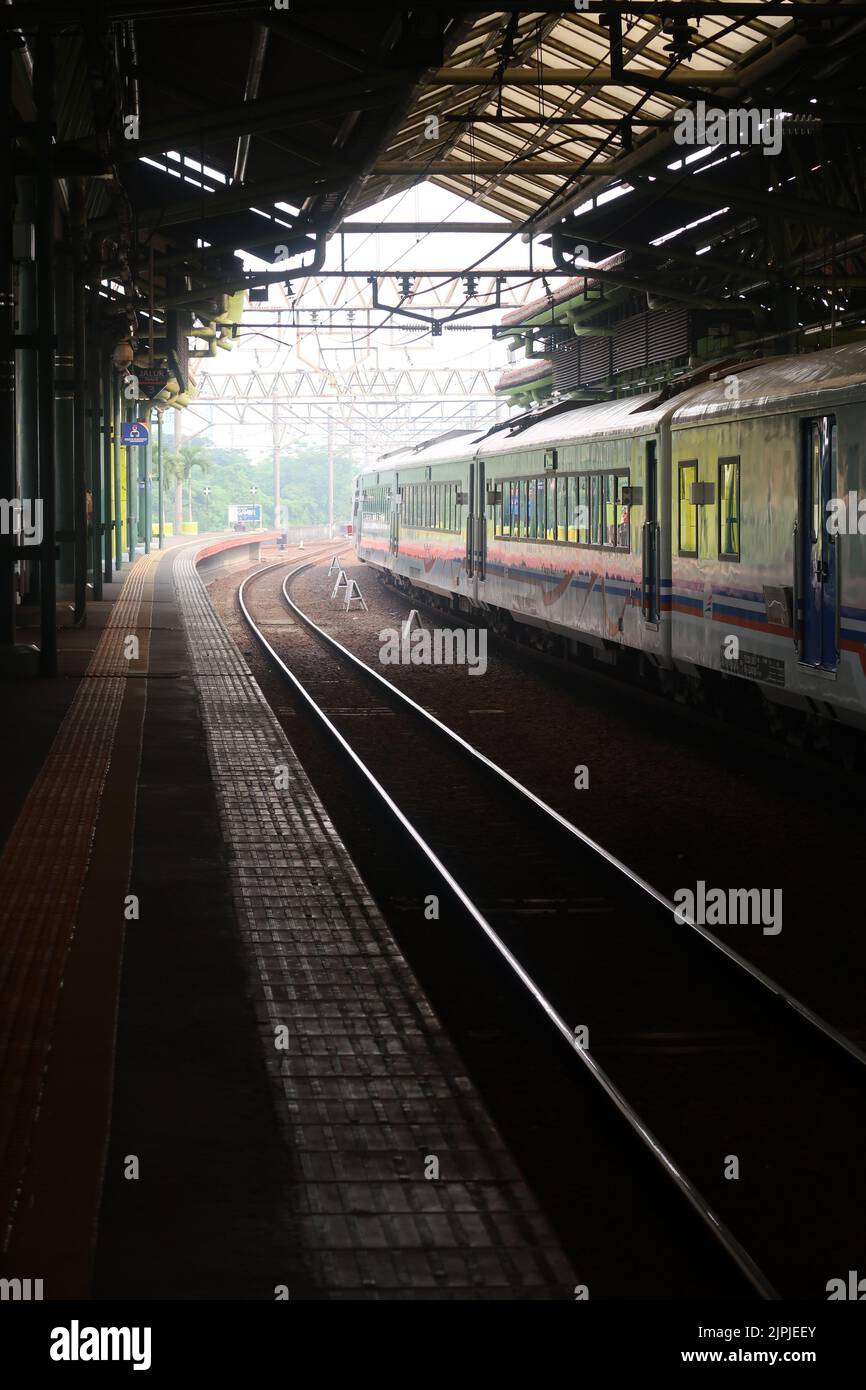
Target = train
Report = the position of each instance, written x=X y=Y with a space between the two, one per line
x=706 y=535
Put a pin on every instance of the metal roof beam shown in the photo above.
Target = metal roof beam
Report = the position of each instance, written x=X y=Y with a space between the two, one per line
x=213 y=205
x=288 y=27
x=409 y=228
x=698 y=188
x=250 y=118
x=660 y=254
x=628 y=282
x=600 y=76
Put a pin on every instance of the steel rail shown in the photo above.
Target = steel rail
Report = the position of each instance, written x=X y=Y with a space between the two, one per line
x=779 y=992
x=733 y=1248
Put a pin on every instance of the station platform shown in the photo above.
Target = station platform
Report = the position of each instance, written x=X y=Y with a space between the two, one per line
x=272 y=1108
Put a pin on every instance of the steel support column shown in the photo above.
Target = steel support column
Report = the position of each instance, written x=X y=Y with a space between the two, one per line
x=26 y=385
x=94 y=417
x=43 y=82
x=117 y=417
x=160 y=493
x=131 y=490
x=8 y=470
x=109 y=500
x=146 y=498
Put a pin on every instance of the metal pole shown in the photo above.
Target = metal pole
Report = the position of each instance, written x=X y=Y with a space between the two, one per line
x=159 y=482
x=275 y=434
x=330 y=475
x=8 y=470
x=109 y=504
x=116 y=414
x=43 y=81
x=131 y=478
x=26 y=386
x=79 y=397
x=95 y=422
x=148 y=525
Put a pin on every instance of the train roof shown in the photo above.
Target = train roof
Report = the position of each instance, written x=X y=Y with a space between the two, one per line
x=558 y=423
x=571 y=420
x=777 y=383
x=456 y=444
x=764 y=383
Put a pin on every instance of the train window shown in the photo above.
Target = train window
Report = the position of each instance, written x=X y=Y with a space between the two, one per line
x=573 y=485
x=609 y=509
x=688 y=512
x=541 y=509
x=583 y=509
x=562 y=486
x=530 y=509
x=815 y=484
x=430 y=506
x=595 y=503
x=623 y=537
x=506 y=506
x=729 y=508
x=514 y=518
x=551 y=509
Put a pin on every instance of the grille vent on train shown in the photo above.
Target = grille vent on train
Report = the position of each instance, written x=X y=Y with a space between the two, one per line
x=644 y=339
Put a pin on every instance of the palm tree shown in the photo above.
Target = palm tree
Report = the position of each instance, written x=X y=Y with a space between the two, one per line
x=178 y=468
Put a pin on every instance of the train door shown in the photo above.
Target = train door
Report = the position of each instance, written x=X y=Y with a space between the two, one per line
x=481 y=524
x=650 y=540
x=470 y=525
x=476 y=529
x=394 y=519
x=819 y=593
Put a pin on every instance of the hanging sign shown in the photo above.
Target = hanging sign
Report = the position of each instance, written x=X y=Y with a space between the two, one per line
x=151 y=380
x=133 y=432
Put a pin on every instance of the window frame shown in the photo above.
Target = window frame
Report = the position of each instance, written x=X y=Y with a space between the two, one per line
x=576 y=487
x=432 y=506
x=686 y=554
x=730 y=557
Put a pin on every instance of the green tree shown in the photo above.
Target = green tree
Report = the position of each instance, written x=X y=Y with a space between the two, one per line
x=178 y=469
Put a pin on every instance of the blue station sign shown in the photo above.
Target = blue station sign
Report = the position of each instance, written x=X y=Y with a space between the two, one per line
x=134 y=432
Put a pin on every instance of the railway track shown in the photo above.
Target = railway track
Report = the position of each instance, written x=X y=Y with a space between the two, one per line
x=687 y=1040
x=783 y=747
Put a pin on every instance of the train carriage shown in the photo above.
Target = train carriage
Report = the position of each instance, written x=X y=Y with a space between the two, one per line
x=713 y=533
x=767 y=470
x=576 y=524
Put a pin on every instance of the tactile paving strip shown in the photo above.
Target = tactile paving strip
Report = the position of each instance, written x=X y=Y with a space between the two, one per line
x=369 y=1088
x=42 y=870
